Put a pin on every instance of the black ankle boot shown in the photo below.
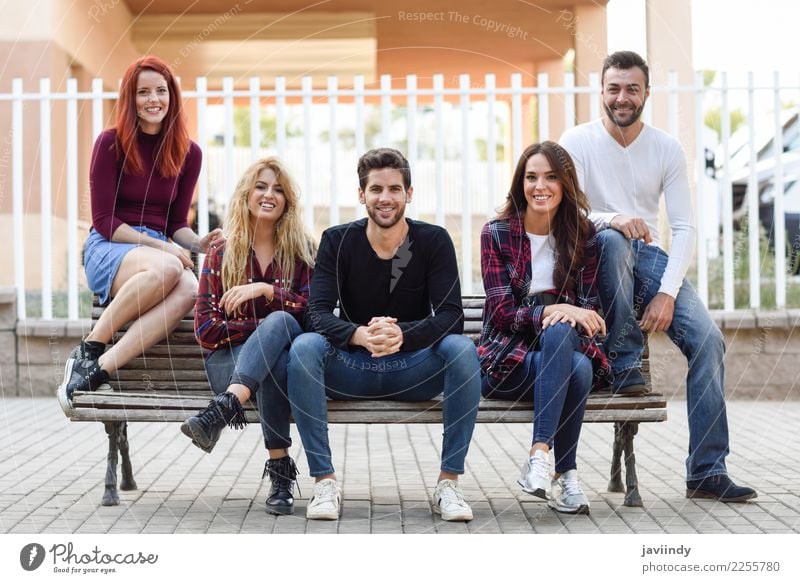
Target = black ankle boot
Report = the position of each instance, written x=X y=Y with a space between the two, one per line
x=205 y=428
x=282 y=473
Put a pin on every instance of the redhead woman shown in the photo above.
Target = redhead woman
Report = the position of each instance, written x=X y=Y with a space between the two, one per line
x=538 y=260
x=142 y=178
x=253 y=293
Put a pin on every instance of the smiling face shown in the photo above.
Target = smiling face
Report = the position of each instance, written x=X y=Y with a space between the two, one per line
x=385 y=197
x=152 y=100
x=267 y=201
x=624 y=95
x=543 y=190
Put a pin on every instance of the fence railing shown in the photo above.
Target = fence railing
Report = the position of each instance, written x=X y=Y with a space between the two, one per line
x=461 y=141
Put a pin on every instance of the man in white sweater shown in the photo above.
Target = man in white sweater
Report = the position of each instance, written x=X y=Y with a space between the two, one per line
x=623 y=167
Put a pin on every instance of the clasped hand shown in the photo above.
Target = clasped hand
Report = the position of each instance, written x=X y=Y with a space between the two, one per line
x=381 y=336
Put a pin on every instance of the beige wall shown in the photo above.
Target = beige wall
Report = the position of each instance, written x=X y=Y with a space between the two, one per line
x=56 y=39
x=32 y=242
x=97 y=35
x=24 y=21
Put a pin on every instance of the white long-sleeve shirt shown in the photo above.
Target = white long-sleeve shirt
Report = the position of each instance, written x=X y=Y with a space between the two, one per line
x=630 y=181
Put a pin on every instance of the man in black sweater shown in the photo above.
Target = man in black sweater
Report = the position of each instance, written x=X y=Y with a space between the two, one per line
x=397 y=335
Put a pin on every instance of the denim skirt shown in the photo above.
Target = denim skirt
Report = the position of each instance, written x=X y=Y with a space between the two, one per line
x=102 y=258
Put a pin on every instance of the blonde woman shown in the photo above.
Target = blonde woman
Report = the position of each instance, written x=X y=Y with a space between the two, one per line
x=253 y=293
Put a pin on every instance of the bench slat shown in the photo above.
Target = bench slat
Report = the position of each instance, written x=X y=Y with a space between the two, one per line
x=177 y=363
x=173 y=350
x=198 y=400
x=146 y=383
x=390 y=416
x=166 y=374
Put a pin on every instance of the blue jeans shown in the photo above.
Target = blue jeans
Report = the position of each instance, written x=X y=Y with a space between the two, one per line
x=318 y=370
x=260 y=364
x=630 y=276
x=557 y=378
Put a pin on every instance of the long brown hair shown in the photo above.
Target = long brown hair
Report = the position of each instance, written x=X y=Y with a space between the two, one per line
x=292 y=241
x=175 y=141
x=570 y=226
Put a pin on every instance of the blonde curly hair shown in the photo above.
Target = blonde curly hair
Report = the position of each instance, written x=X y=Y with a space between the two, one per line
x=292 y=240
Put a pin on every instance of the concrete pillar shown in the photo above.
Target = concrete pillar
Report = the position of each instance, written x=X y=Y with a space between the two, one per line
x=529 y=124
x=555 y=78
x=669 y=48
x=591 y=47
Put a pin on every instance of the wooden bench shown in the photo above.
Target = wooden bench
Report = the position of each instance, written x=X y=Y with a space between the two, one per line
x=169 y=383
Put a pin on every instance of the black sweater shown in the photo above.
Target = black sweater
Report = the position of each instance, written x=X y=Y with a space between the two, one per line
x=419 y=286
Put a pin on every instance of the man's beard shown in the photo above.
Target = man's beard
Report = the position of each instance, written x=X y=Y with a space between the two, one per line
x=373 y=213
x=637 y=113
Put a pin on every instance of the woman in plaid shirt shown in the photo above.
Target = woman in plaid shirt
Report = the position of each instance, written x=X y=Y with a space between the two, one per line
x=253 y=293
x=538 y=260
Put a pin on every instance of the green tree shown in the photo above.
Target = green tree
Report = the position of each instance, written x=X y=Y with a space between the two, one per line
x=713 y=119
x=268 y=123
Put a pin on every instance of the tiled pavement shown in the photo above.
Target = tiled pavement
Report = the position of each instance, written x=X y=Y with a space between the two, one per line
x=51 y=474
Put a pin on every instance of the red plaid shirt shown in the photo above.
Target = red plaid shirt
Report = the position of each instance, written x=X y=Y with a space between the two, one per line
x=214 y=328
x=506 y=269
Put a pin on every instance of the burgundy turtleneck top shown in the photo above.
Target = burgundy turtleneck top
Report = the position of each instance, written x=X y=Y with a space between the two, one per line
x=147 y=199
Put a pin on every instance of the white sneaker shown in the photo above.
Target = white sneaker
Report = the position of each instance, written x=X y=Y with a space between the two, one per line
x=571 y=500
x=325 y=502
x=448 y=501
x=535 y=478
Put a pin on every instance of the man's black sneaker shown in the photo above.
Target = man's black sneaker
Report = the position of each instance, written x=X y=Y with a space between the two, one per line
x=634 y=390
x=282 y=473
x=630 y=383
x=83 y=375
x=205 y=428
x=720 y=488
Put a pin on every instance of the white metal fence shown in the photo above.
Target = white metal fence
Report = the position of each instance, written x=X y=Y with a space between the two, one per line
x=461 y=141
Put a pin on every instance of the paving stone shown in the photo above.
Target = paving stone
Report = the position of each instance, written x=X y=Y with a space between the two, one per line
x=51 y=474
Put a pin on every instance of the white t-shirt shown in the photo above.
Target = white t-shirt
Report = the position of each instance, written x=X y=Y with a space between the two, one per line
x=630 y=180
x=543 y=262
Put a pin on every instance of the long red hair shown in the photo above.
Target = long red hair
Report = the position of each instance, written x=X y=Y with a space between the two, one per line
x=175 y=141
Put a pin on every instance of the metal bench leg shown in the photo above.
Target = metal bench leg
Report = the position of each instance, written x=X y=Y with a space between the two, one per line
x=615 y=483
x=127 y=483
x=111 y=496
x=632 y=497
